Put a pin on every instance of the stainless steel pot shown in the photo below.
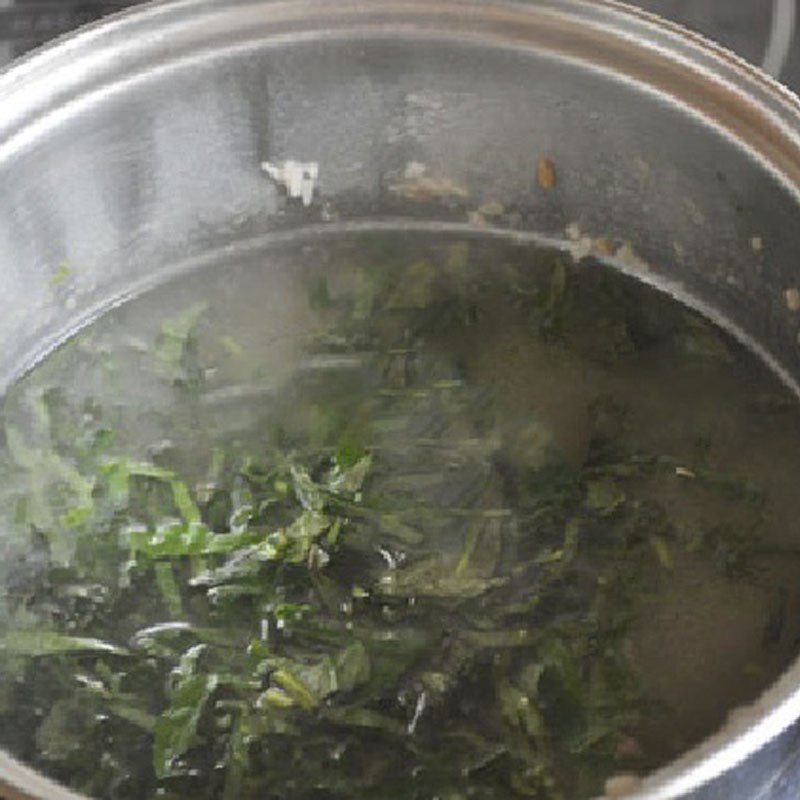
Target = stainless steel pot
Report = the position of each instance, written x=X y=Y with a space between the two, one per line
x=135 y=148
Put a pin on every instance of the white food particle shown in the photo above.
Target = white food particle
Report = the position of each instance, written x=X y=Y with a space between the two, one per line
x=627 y=256
x=299 y=178
x=415 y=183
x=491 y=209
x=757 y=243
x=414 y=170
x=582 y=248
x=621 y=786
x=792 y=299
x=418 y=711
x=388 y=557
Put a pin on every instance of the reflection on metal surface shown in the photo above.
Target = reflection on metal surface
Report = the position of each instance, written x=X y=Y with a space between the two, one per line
x=782 y=33
x=96 y=128
x=19 y=782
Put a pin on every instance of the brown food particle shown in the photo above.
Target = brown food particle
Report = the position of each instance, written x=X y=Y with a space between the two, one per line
x=792 y=298
x=603 y=247
x=546 y=173
x=627 y=747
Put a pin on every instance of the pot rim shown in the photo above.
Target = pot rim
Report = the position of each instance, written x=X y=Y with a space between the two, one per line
x=758 y=114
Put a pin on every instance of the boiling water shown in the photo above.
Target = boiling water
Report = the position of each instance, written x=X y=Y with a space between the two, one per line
x=396 y=517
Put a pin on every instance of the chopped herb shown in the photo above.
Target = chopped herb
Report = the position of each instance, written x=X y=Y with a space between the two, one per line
x=61 y=274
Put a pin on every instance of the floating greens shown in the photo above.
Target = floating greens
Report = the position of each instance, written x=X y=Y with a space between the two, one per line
x=391 y=586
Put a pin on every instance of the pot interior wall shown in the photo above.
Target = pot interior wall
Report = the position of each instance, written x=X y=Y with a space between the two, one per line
x=153 y=171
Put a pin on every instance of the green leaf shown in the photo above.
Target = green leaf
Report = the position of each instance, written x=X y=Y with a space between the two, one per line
x=662 y=551
x=120 y=705
x=307 y=492
x=170 y=540
x=296 y=689
x=301 y=535
x=353 y=667
x=417 y=288
x=176 y=728
x=179 y=539
x=119 y=472
x=482 y=550
x=238 y=756
x=232 y=347
x=133 y=715
x=354 y=717
x=604 y=497
x=184 y=502
x=350 y=479
x=142 y=469
x=187 y=667
x=275 y=697
x=432 y=577
x=392 y=525
x=62 y=733
x=174 y=340
x=173 y=632
x=77 y=516
x=349 y=454
x=48 y=643
x=50 y=482
x=61 y=274
x=168 y=587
